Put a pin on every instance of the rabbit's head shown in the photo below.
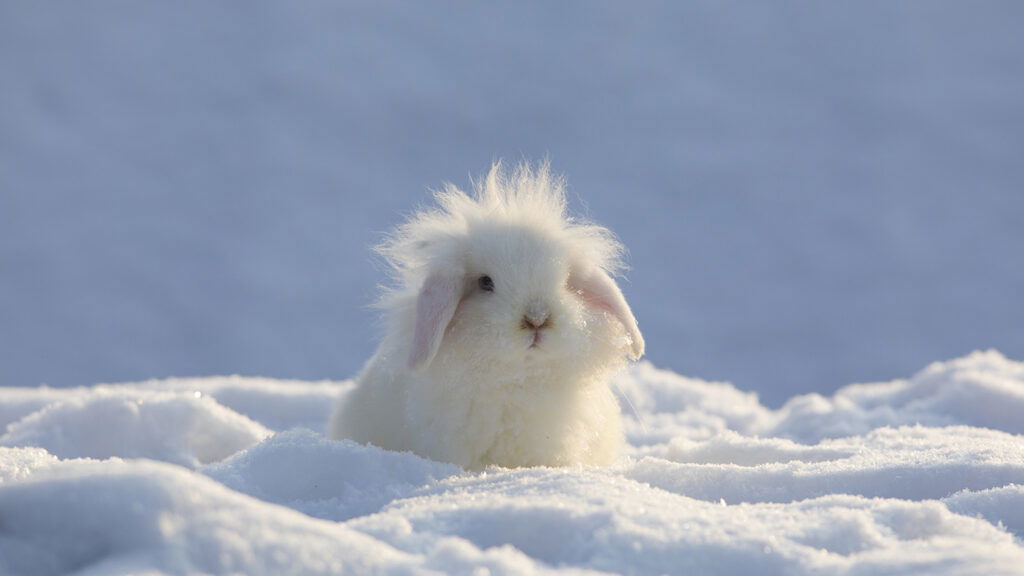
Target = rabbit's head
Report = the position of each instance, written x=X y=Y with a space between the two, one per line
x=504 y=277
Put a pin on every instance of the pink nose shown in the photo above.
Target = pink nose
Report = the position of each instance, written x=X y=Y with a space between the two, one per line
x=536 y=322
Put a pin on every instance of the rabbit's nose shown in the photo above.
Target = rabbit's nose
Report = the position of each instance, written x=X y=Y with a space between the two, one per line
x=536 y=317
x=536 y=323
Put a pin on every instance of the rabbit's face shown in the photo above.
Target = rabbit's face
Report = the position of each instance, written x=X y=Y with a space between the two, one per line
x=506 y=278
x=517 y=303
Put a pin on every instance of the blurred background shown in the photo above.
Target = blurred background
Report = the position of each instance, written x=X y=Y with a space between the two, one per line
x=813 y=194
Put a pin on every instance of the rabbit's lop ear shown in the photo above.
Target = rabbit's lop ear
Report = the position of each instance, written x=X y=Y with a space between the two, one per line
x=438 y=298
x=597 y=289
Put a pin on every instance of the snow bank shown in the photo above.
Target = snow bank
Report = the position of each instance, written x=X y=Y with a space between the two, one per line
x=103 y=517
x=184 y=429
x=276 y=404
x=18 y=463
x=599 y=520
x=922 y=475
x=912 y=463
x=1003 y=506
x=660 y=405
x=983 y=389
x=332 y=480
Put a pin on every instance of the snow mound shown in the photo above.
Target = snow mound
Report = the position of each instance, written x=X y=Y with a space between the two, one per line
x=189 y=430
x=325 y=479
x=912 y=463
x=983 y=389
x=276 y=404
x=129 y=517
x=922 y=475
x=1003 y=506
x=595 y=519
x=18 y=463
x=16 y=403
x=660 y=405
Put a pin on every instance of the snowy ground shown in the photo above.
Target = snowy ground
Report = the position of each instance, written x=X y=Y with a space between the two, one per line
x=231 y=474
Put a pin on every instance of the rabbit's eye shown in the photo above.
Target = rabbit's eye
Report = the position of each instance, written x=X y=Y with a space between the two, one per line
x=485 y=283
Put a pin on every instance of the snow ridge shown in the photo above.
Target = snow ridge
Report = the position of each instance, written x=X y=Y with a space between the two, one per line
x=227 y=474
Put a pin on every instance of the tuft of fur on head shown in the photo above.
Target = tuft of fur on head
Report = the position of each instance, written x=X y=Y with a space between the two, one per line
x=528 y=196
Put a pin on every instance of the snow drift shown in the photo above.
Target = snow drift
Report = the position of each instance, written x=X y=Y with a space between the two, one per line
x=223 y=475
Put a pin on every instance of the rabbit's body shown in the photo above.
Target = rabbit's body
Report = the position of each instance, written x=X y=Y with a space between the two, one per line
x=502 y=338
x=477 y=419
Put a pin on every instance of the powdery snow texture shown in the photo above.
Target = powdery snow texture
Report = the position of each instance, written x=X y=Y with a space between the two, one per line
x=217 y=475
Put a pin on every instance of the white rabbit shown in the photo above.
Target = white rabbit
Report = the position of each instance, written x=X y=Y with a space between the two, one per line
x=502 y=334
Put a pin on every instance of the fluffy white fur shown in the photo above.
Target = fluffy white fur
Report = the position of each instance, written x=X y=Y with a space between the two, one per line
x=517 y=376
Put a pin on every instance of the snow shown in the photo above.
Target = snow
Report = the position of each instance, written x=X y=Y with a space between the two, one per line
x=907 y=463
x=981 y=389
x=104 y=517
x=182 y=429
x=331 y=480
x=922 y=475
